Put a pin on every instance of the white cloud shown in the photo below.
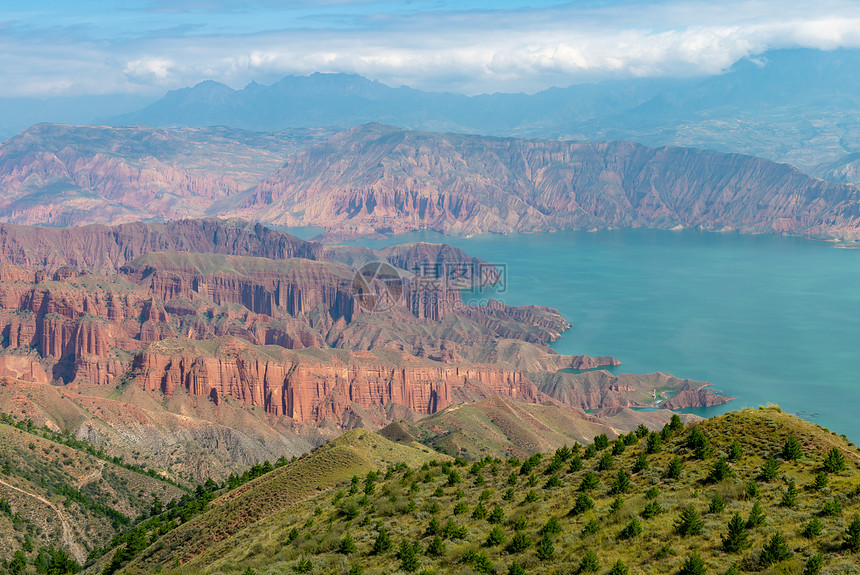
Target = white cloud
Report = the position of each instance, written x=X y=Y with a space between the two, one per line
x=470 y=51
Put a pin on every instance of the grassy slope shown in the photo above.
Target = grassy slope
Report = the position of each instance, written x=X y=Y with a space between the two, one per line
x=760 y=433
x=235 y=515
x=502 y=427
x=36 y=470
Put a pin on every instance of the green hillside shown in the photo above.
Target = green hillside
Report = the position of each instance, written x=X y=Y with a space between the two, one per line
x=57 y=493
x=648 y=502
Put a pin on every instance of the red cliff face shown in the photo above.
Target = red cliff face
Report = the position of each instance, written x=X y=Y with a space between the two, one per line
x=312 y=390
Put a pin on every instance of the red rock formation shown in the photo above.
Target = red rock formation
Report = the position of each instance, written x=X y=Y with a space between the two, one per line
x=380 y=178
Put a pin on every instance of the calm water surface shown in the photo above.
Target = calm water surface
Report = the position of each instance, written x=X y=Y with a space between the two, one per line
x=765 y=319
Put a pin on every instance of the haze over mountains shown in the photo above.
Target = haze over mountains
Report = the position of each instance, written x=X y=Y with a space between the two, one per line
x=792 y=106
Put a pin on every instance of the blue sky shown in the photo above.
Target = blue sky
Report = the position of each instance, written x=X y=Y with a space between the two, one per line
x=54 y=48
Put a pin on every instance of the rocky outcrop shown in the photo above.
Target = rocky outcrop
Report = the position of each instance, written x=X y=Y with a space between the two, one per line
x=103 y=249
x=376 y=178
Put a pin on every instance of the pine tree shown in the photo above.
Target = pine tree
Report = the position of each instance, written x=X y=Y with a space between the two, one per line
x=589 y=562
x=606 y=462
x=652 y=509
x=721 y=470
x=675 y=423
x=497 y=515
x=589 y=482
x=581 y=504
x=820 y=482
x=689 y=522
x=516 y=569
x=545 y=549
x=496 y=536
x=619 y=569
x=642 y=431
x=852 y=535
x=735 y=452
x=436 y=547
x=737 y=538
x=347 y=545
x=382 y=543
x=654 y=443
x=408 y=555
x=641 y=463
x=601 y=442
x=519 y=543
x=632 y=529
x=621 y=484
x=774 y=551
x=675 y=468
x=756 y=517
x=718 y=504
x=770 y=469
x=575 y=464
x=694 y=565
x=791 y=450
x=551 y=527
x=834 y=462
x=814 y=565
x=813 y=528
x=789 y=497
x=303 y=566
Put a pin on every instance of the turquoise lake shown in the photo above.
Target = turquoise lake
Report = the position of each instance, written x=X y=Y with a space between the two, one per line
x=765 y=319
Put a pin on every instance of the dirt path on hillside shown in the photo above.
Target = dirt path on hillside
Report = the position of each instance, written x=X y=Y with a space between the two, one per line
x=68 y=539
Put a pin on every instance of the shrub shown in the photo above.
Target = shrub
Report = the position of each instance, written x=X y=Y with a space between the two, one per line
x=495 y=537
x=356 y=569
x=519 y=543
x=770 y=469
x=292 y=535
x=632 y=529
x=689 y=522
x=834 y=462
x=737 y=538
x=774 y=551
x=756 y=517
x=812 y=528
x=589 y=562
x=436 y=547
x=675 y=468
x=694 y=565
x=791 y=450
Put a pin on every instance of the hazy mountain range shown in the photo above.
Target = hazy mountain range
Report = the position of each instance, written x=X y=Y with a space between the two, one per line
x=796 y=106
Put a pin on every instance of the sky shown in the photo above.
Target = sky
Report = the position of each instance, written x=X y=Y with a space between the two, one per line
x=54 y=48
